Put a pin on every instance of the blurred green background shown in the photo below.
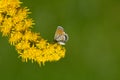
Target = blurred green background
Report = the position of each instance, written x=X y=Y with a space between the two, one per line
x=93 y=49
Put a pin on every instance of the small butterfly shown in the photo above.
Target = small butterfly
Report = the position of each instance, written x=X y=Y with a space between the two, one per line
x=60 y=36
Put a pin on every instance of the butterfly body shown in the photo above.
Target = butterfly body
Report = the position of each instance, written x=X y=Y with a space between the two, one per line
x=60 y=36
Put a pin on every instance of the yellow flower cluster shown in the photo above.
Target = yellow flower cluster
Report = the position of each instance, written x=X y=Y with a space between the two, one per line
x=16 y=25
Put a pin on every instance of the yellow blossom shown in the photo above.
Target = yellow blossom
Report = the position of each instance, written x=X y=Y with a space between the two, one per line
x=15 y=37
x=16 y=25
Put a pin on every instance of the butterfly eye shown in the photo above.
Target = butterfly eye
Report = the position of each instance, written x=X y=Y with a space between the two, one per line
x=66 y=37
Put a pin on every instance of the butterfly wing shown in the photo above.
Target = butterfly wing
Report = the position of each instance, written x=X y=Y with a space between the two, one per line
x=58 y=34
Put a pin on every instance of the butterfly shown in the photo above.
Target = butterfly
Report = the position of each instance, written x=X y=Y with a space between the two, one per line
x=60 y=36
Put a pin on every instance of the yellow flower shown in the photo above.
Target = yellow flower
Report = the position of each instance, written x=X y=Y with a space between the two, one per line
x=16 y=25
